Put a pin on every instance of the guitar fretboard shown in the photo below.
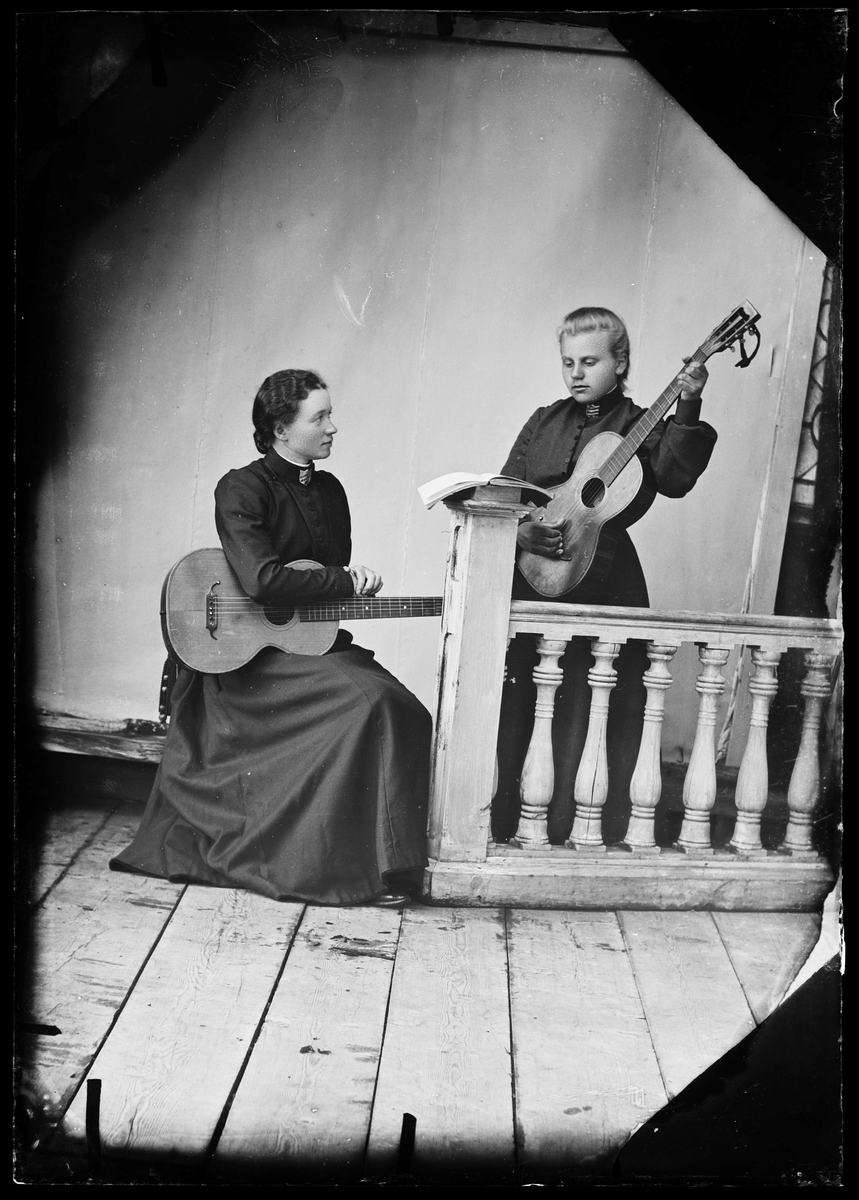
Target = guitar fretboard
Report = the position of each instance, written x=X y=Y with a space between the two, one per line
x=356 y=609
x=644 y=426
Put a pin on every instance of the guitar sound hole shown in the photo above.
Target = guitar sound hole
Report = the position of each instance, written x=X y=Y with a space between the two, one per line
x=593 y=493
x=279 y=616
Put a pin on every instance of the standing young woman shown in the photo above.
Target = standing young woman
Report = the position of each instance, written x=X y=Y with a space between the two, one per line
x=594 y=346
x=302 y=777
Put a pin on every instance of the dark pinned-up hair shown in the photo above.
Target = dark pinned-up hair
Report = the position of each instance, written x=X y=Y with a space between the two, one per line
x=592 y=320
x=277 y=401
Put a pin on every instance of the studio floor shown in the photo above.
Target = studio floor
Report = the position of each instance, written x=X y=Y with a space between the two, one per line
x=170 y=1033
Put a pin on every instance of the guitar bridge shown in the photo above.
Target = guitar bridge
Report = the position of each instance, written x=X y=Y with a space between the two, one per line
x=212 y=610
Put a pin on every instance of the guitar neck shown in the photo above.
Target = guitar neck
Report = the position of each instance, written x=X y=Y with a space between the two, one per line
x=358 y=608
x=645 y=425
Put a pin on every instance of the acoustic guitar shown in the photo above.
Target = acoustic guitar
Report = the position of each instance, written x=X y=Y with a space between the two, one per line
x=211 y=625
x=604 y=495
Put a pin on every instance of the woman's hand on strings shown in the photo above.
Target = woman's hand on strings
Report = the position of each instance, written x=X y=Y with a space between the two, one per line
x=366 y=582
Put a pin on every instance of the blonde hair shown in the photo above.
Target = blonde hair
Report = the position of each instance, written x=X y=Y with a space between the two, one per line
x=591 y=320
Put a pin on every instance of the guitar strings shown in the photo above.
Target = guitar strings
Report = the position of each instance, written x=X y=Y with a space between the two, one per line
x=237 y=603
x=353 y=608
x=616 y=461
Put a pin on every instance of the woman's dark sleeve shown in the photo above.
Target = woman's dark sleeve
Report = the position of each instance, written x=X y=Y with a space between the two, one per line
x=516 y=464
x=242 y=517
x=677 y=455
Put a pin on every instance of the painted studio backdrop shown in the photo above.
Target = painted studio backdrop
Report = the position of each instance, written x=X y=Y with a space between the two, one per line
x=412 y=218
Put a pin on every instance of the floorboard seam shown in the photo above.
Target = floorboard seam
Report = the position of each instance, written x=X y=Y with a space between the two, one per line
x=221 y=1122
x=727 y=949
x=618 y=917
x=35 y=905
x=381 y=1049
x=117 y=1014
x=517 y=1175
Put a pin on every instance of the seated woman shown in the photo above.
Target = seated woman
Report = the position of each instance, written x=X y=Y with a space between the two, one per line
x=302 y=777
x=595 y=358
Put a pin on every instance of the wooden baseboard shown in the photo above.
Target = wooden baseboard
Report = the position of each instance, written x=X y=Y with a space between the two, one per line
x=620 y=880
x=142 y=741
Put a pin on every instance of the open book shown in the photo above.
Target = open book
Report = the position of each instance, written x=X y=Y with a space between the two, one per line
x=462 y=481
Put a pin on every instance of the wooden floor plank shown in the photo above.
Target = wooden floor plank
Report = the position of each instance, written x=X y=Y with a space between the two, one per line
x=586 y=1071
x=302 y=1110
x=446 y=1054
x=767 y=950
x=177 y=1048
x=695 y=1007
x=65 y=834
x=87 y=942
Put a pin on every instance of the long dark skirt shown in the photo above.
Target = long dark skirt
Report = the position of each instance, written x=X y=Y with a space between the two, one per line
x=569 y=730
x=296 y=776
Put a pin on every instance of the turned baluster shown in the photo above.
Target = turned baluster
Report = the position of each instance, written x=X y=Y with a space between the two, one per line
x=646 y=785
x=591 y=788
x=538 y=773
x=699 y=786
x=753 y=779
x=803 y=790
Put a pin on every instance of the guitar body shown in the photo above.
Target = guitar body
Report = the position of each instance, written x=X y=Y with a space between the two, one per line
x=210 y=624
x=589 y=540
x=243 y=628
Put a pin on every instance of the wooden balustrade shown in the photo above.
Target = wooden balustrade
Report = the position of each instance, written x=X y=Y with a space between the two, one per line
x=585 y=872
x=774 y=635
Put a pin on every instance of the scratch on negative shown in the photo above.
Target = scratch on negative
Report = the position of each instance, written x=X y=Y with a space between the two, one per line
x=345 y=306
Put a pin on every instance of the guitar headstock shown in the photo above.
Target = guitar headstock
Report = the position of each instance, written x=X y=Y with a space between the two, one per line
x=743 y=320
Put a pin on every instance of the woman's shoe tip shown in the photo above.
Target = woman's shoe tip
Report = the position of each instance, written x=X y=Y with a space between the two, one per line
x=390 y=900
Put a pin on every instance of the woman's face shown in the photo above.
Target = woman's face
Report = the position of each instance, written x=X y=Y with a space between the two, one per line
x=311 y=433
x=590 y=367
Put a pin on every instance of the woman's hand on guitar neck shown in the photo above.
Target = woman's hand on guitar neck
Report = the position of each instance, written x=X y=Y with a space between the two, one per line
x=691 y=379
x=366 y=582
x=540 y=537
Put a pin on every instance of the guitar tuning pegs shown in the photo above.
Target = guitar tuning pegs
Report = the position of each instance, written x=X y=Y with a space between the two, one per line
x=745 y=357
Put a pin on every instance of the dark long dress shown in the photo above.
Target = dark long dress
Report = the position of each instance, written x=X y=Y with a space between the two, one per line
x=545 y=453
x=298 y=776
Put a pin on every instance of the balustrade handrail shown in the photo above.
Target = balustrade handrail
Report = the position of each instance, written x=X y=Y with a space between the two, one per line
x=674 y=626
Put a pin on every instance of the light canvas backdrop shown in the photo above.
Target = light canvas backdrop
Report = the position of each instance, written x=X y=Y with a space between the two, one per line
x=412 y=218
